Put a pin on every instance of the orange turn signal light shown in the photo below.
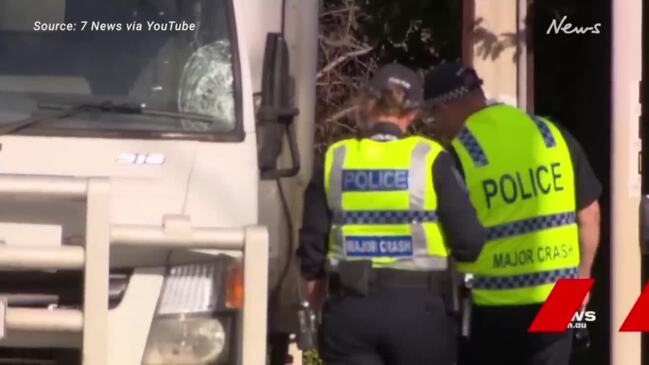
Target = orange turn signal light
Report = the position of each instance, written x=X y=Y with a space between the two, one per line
x=234 y=286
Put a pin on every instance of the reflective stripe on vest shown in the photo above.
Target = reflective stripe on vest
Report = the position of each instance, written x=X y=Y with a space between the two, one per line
x=523 y=280
x=397 y=223
x=530 y=225
x=473 y=147
x=548 y=138
x=521 y=180
x=384 y=216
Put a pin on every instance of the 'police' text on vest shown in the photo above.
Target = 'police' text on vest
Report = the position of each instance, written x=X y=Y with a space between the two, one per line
x=375 y=180
x=523 y=185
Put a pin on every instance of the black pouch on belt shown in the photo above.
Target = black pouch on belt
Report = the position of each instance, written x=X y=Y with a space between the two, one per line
x=446 y=288
x=452 y=290
x=355 y=277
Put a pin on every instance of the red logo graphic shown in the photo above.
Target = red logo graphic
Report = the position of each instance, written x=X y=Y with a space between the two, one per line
x=638 y=318
x=558 y=310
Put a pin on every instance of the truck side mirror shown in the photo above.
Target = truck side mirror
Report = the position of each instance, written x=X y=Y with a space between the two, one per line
x=277 y=112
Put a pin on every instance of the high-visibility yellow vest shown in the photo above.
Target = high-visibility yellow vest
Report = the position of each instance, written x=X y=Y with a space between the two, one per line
x=383 y=203
x=521 y=180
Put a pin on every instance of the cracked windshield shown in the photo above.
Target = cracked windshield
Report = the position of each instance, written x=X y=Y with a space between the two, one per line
x=161 y=65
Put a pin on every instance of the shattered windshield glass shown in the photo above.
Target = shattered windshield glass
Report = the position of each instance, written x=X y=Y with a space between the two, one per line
x=165 y=55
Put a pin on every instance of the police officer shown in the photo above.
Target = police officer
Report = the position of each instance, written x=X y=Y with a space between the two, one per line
x=537 y=196
x=382 y=214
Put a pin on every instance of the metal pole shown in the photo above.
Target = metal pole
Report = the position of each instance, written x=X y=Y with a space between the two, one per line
x=151 y=236
x=255 y=297
x=58 y=320
x=43 y=258
x=521 y=61
x=96 y=275
x=625 y=197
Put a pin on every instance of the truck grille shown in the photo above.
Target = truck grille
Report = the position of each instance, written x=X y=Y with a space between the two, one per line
x=61 y=289
x=39 y=356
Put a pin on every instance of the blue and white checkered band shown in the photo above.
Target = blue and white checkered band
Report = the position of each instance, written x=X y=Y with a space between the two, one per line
x=383 y=137
x=530 y=225
x=448 y=96
x=471 y=144
x=523 y=280
x=548 y=138
x=384 y=216
x=375 y=180
x=378 y=246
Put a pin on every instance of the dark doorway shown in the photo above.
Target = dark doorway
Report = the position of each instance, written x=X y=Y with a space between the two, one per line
x=572 y=85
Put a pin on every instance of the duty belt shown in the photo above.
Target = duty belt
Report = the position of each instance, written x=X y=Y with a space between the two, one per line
x=436 y=281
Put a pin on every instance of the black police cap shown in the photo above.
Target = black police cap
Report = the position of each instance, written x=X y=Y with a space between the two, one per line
x=449 y=81
x=396 y=74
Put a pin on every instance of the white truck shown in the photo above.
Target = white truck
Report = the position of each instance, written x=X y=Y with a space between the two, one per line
x=140 y=216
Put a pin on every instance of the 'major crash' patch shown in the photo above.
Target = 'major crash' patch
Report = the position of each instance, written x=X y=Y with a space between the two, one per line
x=383 y=246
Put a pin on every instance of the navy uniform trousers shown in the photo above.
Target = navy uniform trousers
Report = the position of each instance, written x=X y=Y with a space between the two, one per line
x=499 y=335
x=389 y=326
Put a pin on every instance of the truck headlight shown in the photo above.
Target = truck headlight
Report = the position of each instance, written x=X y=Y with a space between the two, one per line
x=183 y=340
x=196 y=314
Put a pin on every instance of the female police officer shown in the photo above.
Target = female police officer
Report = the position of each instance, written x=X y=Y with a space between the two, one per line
x=382 y=214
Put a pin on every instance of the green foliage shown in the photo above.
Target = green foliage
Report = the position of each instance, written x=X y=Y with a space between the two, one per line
x=311 y=358
x=418 y=33
x=358 y=35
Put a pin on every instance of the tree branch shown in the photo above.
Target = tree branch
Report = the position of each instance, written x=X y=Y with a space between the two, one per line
x=342 y=59
x=340 y=114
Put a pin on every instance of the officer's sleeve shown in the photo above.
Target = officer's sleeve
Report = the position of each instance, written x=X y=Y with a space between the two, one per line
x=456 y=161
x=588 y=187
x=464 y=233
x=316 y=217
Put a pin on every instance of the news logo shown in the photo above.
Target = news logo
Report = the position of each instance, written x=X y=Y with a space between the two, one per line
x=582 y=318
x=562 y=305
x=562 y=310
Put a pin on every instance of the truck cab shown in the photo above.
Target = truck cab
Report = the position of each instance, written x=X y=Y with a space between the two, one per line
x=137 y=223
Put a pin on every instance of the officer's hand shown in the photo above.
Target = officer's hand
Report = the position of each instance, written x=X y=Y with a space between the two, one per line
x=584 y=273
